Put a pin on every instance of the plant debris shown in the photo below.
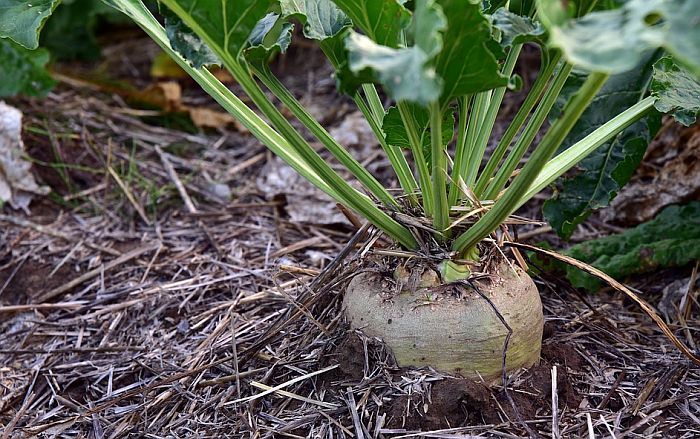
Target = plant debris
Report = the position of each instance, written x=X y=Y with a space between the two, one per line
x=17 y=184
x=185 y=338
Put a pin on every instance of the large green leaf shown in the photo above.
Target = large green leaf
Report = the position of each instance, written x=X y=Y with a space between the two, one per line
x=380 y=20
x=670 y=239
x=677 y=91
x=22 y=70
x=22 y=21
x=405 y=73
x=396 y=134
x=453 y=54
x=601 y=175
x=468 y=60
x=225 y=24
x=615 y=41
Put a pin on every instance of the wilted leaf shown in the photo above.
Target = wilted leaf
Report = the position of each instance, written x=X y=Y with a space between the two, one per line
x=671 y=177
x=22 y=20
x=603 y=173
x=678 y=92
x=168 y=97
x=670 y=239
x=22 y=71
x=305 y=203
x=17 y=184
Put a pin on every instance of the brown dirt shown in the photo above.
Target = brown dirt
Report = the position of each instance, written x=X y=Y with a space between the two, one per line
x=457 y=402
x=31 y=280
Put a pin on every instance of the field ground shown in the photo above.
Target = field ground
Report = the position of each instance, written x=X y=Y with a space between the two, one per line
x=169 y=287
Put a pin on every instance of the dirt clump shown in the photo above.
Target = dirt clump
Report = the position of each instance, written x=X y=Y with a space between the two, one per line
x=452 y=402
x=458 y=402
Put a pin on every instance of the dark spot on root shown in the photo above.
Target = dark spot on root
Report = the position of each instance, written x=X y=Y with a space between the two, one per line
x=389 y=321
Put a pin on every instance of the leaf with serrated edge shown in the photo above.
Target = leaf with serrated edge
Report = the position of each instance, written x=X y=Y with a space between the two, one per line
x=22 y=21
x=677 y=91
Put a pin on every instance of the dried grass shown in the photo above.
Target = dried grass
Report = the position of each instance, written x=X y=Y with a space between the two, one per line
x=208 y=321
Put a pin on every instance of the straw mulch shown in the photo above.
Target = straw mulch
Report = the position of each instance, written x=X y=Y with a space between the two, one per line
x=143 y=304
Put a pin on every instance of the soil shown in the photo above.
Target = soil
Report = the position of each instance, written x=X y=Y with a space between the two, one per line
x=30 y=280
x=151 y=349
x=457 y=402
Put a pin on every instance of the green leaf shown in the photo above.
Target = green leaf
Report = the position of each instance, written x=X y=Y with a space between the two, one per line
x=615 y=41
x=516 y=29
x=22 y=21
x=325 y=22
x=322 y=18
x=22 y=70
x=396 y=134
x=404 y=73
x=601 y=175
x=225 y=24
x=670 y=239
x=185 y=42
x=269 y=37
x=381 y=20
x=677 y=91
x=489 y=6
x=468 y=60
x=521 y=7
x=70 y=32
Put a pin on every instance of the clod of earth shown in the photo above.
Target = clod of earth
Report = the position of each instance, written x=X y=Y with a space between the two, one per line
x=453 y=328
